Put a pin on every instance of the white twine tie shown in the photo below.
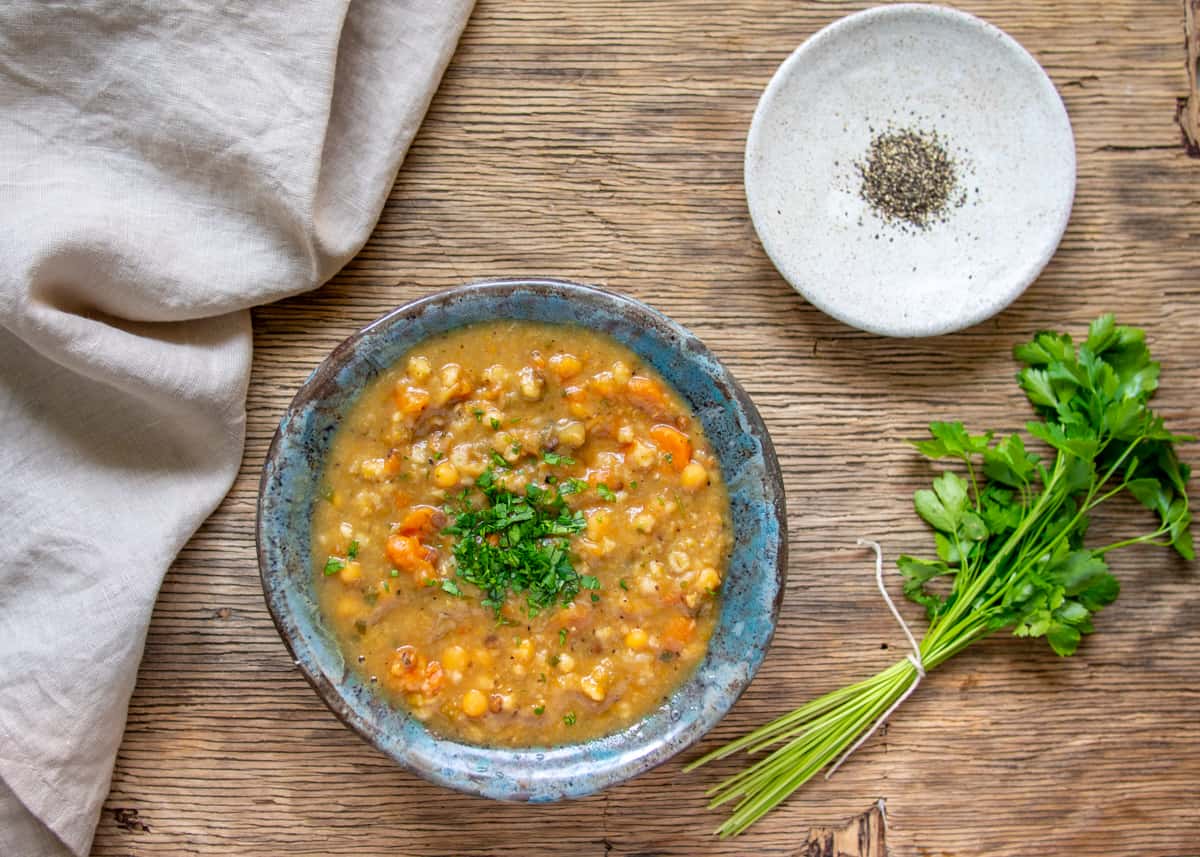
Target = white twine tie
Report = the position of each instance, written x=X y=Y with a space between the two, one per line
x=915 y=657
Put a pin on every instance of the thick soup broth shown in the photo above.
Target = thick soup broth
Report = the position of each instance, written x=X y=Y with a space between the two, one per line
x=522 y=535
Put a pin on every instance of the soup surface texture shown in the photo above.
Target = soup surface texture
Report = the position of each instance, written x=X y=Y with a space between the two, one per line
x=522 y=535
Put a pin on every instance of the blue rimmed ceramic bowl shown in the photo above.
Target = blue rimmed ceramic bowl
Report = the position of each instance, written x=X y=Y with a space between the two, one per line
x=751 y=592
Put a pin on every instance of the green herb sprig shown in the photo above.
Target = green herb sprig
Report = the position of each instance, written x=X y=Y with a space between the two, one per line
x=1009 y=539
x=518 y=544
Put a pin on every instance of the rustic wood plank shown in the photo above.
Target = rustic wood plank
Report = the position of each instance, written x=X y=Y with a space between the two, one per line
x=603 y=142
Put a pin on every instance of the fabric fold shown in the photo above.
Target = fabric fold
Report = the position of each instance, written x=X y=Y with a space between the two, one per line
x=164 y=166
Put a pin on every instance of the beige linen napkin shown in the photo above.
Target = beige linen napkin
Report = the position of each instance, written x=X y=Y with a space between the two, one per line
x=164 y=164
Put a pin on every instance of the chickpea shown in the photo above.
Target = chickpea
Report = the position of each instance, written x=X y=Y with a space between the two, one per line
x=694 y=476
x=678 y=561
x=621 y=373
x=565 y=365
x=625 y=434
x=445 y=475
x=452 y=373
x=531 y=384
x=566 y=663
x=604 y=383
x=708 y=580
x=474 y=703
x=418 y=368
x=454 y=658
x=644 y=522
x=496 y=375
x=524 y=651
x=642 y=456
x=572 y=435
x=372 y=468
x=595 y=684
x=597 y=524
x=637 y=639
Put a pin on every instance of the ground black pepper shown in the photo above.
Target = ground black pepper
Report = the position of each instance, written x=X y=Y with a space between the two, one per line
x=909 y=176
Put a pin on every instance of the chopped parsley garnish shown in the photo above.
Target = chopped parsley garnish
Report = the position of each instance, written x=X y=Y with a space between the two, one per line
x=595 y=598
x=589 y=581
x=572 y=486
x=633 y=485
x=553 y=660
x=451 y=587
x=569 y=718
x=478 y=415
x=498 y=461
x=554 y=459
x=495 y=424
x=539 y=710
x=562 y=636
x=605 y=492
x=623 y=584
x=395 y=572
x=333 y=565
x=352 y=552
x=439 y=455
x=669 y=457
x=516 y=544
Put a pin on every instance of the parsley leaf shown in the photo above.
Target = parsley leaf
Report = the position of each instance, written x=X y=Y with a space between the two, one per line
x=572 y=486
x=333 y=565
x=499 y=462
x=1011 y=534
x=352 y=551
x=605 y=492
x=554 y=459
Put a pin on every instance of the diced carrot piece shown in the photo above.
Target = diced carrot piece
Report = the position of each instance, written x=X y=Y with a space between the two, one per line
x=671 y=440
x=393 y=463
x=677 y=633
x=645 y=388
x=408 y=554
x=578 y=402
x=422 y=520
x=410 y=400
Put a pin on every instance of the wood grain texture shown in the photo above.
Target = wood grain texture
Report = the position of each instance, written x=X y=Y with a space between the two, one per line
x=603 y=142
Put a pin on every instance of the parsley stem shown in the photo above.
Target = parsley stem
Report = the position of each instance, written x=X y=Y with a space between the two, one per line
x=1013 y=546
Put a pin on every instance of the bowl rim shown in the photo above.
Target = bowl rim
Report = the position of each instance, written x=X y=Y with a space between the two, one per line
x=607 y=773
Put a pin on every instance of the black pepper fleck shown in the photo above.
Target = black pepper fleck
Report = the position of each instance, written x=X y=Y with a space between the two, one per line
x=909 y=176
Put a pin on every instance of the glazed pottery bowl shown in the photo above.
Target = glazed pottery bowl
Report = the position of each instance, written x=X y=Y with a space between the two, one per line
x=751 y=591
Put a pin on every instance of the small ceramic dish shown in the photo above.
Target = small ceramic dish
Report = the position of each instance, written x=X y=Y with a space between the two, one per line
x=751 y=592
x=933 y=70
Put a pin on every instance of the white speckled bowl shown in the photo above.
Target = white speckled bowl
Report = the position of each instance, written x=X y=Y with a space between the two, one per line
x=926 y=67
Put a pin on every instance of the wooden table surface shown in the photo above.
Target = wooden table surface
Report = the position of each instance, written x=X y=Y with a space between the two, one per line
x=602 y=142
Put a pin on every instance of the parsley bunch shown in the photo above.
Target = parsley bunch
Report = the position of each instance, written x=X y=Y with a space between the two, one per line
x=1009 y=541
x=515 y=543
